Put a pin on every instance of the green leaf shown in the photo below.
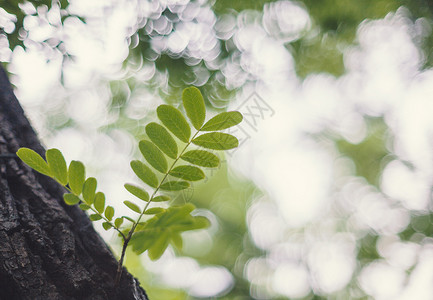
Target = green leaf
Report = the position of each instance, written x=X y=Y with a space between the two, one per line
x=118 y=222
x=34 y=161
x=194 y=106
x=188 y=173
x=57 y=165
x=161 y=138
x=76 y=176
x=154 y=211
x=158 y=247
x=173 y=119
x=106 y=225
x=137 y=191
x=153 y=155
x=144 y=173
x=161 y=198
x=89 y=189
x=142 y=240
x=71 y=199
x=222 y=121
x=201 y=158
x=129 y=219
x=176 y=240
x=109 y=213
x=84 y=206
x=200 y=223
x=99 y=202
x=174 y=185
x=95 y=217
x=216 y=141
x=132 y=206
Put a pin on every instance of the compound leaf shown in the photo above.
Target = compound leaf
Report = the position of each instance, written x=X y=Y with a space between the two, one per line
x=216 y=141
x=76 y=176
x=194 y=106
x=173 y=119
x=99 y=202
x=187 y=173
x=174 y=185
x=137 y=191
x=153 y=155
x=161 y=138
x=222 y=121
x=132 y=206
x=71 y=199
x=201 y=158
x=34 y=161
x=144 y=173
x=89 y=189
x=57 y=165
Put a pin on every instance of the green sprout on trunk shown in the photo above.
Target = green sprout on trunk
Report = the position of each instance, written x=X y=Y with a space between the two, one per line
x=168 y=170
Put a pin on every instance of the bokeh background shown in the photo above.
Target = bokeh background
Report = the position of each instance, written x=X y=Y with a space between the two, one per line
x=329 y=195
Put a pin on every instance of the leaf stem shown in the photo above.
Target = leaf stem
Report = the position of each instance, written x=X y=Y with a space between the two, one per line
x=101 y=215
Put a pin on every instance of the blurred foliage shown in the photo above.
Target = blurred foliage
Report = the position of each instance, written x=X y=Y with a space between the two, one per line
x=368 y=155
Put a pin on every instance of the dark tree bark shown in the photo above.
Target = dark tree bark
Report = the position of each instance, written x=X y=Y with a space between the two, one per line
x=48 y=250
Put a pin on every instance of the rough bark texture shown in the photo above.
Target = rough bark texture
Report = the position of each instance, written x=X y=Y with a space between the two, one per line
x=48 y=250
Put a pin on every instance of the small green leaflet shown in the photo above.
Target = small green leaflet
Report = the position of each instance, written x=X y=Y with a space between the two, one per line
x=174 y=185
x=176 y=240
x=144 y=173
x=109 y=213
x=153 y=155
x=173 y=119
x=154 y=211
x=118 y=222
x=106 y=225
x=161 y=198
x=161 y=138
x=128 y=218
x=137 y=191
x=84 y=206
x=57 y=165
x=132 y=206
x=216 y=141
x=95 y=217
x=34 y=161
x=194 y=106
x=89 y=190
x=222 y=121
x=76 y=176
x=71 y=199
x=99 y=202
x=201 y=158
x=190 y=173
x=158 y=247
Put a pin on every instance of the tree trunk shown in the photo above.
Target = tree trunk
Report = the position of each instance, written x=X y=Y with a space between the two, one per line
x=48 y=250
